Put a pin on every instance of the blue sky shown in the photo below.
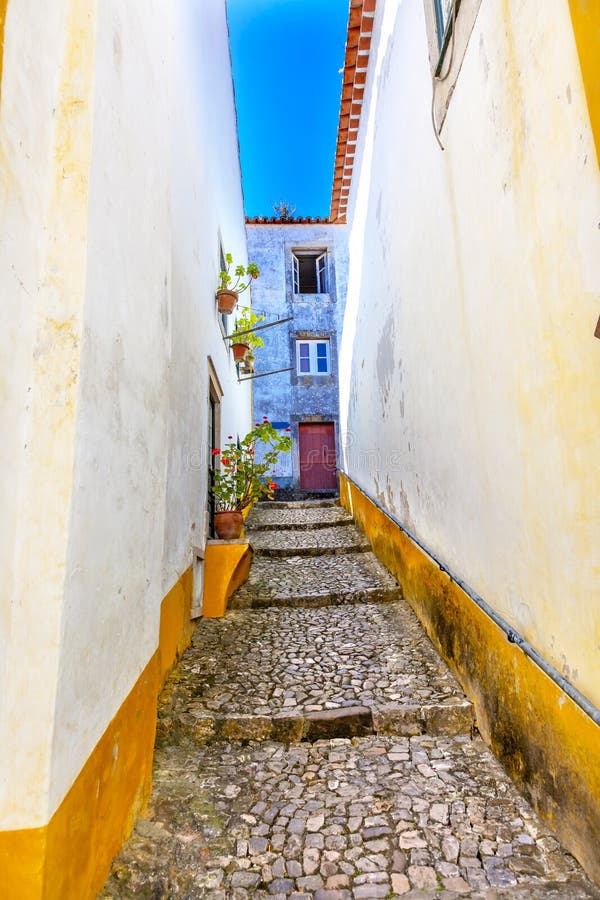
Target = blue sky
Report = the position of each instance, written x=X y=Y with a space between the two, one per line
x=287 y=56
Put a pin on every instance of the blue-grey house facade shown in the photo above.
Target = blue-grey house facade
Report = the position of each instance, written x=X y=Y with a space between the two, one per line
x=303 y=266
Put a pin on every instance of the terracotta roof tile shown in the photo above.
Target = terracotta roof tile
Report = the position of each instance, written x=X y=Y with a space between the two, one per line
x=358 y=44
x=298 y=220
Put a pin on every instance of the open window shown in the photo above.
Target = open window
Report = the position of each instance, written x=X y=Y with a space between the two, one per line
x=310 y=272
x=449 y=26
x=443 y=20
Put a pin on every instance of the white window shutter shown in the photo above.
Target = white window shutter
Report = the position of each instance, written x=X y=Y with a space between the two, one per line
x=296 y=266
x=322 y=274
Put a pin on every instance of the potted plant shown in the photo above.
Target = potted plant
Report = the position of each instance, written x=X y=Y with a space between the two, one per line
x=241 y=480
x=231 y=286
x=243 y=338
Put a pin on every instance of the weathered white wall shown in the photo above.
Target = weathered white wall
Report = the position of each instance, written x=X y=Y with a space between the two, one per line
x=469 y=373
x=115 y=191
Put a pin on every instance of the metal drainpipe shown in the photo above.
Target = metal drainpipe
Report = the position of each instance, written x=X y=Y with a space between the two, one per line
x=514 y=638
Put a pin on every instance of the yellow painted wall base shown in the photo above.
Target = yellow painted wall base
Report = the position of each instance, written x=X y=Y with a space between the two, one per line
x=71 y=856
x=585 y=15
x=548 y=745
x=176 y=626
x=226 y=567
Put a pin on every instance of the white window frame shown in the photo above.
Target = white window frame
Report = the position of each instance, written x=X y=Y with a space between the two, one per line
x=312 y=356
x=457 y=32
x=321 y=266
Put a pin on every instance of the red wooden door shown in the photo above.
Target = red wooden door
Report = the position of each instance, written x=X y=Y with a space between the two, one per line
x=317 y=457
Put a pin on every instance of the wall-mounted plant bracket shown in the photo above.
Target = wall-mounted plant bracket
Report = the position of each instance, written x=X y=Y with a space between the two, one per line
x=227 y=337
x=264 y=374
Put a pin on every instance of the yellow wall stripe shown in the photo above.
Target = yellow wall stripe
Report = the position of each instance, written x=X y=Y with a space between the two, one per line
x=585 y=15
x=549 y=746
x=3 y=7
x=71 y=856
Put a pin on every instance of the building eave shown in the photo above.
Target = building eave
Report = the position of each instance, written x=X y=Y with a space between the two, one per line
x=358 y=44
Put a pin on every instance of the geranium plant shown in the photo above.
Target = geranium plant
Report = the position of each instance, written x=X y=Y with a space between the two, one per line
x=241 y=480
x=246 y=323
x=241 y=277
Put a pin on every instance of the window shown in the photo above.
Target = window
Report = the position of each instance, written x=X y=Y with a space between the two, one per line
x=222 y=265
x=443 y=15
x=310 y=272
x=449 y=26
x=312 y=357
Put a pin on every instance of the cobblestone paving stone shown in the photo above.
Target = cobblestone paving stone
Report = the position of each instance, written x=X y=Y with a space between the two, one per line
x=296 y=662
x=397 y=814
x=340 y=539
x=340 y=820
x=316 y=581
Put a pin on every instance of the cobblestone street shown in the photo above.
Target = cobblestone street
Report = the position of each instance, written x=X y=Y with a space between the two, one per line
x=313 y=744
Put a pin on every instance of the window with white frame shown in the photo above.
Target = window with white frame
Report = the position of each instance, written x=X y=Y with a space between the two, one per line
x=310 y=272
x=445 y=11
x=450 y=24
x=312 y=358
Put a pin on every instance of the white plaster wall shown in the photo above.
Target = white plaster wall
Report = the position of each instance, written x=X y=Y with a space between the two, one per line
x=162 y=187
x=470 y=376
x=45 y=140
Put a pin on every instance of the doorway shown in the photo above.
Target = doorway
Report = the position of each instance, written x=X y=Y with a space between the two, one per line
x=318 y=471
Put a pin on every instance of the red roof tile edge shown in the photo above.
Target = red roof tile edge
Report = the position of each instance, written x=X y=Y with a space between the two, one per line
x=300 y=220
x=358 y=44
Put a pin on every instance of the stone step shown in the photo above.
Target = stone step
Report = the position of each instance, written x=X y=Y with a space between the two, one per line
x=265 y=518
x=341 y=819
x=336 y=540
x=325 y=580
x=200 y=726
x=303 y=674
x=323 y=503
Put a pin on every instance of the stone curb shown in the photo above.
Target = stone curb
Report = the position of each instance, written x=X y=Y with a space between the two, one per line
x=313 y=601
x=444 y=719
x=280 y=552
x=257 y=525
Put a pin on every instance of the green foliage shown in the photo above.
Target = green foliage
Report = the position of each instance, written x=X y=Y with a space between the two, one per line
x=241 y=480
x=226 y=279
x=246 y=322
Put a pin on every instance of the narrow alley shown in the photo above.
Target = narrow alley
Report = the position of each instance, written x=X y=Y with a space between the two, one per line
x=311 y=743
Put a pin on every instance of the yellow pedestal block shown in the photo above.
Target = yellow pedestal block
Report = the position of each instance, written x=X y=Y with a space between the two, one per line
x=226 y=567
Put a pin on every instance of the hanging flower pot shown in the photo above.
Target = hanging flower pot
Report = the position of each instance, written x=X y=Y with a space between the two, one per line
x=226 y=301
x=230 y=285
x=228 y=525
x=239 y=351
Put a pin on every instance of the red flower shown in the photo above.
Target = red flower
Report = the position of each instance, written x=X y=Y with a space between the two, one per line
x=265 y=418
x=257 y=424
x=216 y=451
x=225 y=461
x=288 y=429
x=229 y=437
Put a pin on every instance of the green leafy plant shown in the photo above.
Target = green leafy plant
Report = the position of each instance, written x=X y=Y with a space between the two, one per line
x=237 y=281
x=241 y=480
x=246 y=322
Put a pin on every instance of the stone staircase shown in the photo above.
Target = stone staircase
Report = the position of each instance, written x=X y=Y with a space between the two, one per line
x=313 y=744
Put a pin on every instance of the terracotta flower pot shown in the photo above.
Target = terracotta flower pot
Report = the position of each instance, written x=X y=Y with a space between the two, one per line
x=228 y=525
x=239 y=352
x=226 y=301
